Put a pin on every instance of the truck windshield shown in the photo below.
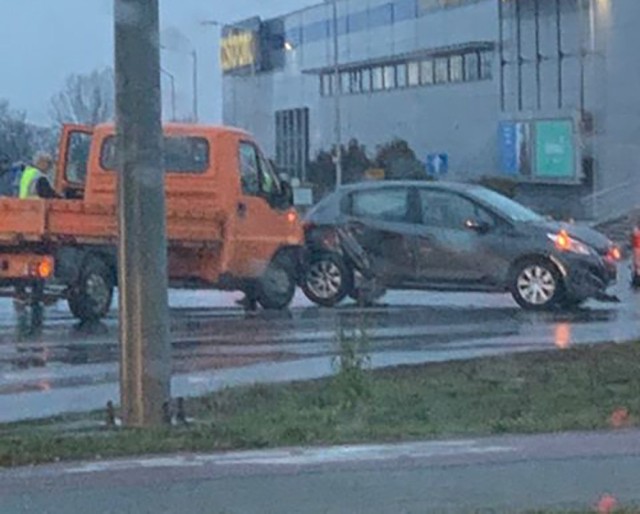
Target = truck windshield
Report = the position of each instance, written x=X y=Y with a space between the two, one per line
x=181 y=154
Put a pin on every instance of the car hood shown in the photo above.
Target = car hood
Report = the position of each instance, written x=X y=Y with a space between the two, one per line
x=581 y=232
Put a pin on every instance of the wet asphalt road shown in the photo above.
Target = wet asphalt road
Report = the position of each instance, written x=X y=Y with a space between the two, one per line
x=66 y=367
x=500 y=474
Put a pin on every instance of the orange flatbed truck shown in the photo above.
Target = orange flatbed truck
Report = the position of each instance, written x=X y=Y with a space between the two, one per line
x=230 y=222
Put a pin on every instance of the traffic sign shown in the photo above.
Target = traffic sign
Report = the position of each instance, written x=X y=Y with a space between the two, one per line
x=437 y=164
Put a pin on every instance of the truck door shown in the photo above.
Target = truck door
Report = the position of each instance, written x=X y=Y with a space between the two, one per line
x=263 y=223
x=73 y=160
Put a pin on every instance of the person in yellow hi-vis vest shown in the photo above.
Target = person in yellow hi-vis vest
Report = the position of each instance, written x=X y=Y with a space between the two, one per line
x=35 y=182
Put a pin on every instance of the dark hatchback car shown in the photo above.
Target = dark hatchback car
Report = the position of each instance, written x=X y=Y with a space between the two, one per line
x=372 y=236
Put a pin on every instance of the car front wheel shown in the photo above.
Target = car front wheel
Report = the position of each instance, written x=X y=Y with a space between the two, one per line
x=536 y=285
x=277 y=286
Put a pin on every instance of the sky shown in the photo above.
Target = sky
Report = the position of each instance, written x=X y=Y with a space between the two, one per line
x=43 y=41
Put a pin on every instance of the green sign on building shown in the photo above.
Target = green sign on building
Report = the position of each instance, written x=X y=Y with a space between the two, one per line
x=555 y=149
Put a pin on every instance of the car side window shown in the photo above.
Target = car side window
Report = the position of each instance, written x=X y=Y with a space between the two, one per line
x=269 y=183
x=449 y=210
x=249 y=169
x=389 y=205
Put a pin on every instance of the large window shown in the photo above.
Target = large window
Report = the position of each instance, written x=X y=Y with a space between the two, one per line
x=390 y=77
x=486 y=61
x=181 y=154
x=389 y=205
x=292 y=141
x=441 y=70
x=426 y=72
x=463 y=66
x=401 y=75
x=456 y=68
x=413 y=74
x=377 y=79
x=471 y=66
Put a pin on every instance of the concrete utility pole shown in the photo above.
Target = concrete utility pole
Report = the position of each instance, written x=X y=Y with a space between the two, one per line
x=337 y=93
x=145 y=372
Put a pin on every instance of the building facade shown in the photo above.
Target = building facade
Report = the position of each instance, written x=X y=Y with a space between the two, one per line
x=541 y=91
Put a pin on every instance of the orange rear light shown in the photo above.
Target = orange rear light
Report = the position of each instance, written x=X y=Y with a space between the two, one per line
x=45 y=269
x=292 y=216
x=635 y=239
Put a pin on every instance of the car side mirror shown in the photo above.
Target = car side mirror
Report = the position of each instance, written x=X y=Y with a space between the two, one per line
x=481 y=227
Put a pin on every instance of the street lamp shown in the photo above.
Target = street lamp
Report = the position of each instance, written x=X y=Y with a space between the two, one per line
x=194 y=58
x=337 y=95
x=172 y=80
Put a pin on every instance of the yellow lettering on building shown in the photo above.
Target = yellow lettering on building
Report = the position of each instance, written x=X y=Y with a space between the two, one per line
x=238 y=51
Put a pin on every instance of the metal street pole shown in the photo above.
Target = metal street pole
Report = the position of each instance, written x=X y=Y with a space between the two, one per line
x=142 y=250
x=194 y=56
x=172 y=80
x=337 y=94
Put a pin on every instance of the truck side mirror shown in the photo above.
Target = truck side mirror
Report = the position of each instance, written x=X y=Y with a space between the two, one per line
x=287 y=193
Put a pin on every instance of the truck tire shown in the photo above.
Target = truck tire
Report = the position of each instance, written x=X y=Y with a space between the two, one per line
x=276 y=288
x=91 y=298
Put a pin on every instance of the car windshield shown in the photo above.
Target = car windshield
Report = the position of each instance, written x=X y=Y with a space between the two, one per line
x=514 y=211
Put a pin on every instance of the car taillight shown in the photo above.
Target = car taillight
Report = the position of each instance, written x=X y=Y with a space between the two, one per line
x=614 y=254
x=635 y=239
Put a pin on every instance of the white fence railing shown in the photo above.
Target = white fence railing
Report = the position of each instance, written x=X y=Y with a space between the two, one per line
x=611 y=203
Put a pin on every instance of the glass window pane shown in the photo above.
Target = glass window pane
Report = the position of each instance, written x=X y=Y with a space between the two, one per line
x=355 y=78
x=401 y=75
x=366 y=80
x=377 y=82
x=426 y=72
x=471 y=66
x=344 y=82
x=389 y=77
x=413 y=72
x=442 y=70
x=486 y=62
x=456 y=67
x=384 y=205
x=249 y=169
x=380 y=16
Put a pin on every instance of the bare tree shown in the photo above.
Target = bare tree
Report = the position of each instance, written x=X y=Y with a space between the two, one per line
x=19 y=140
x=86 y=99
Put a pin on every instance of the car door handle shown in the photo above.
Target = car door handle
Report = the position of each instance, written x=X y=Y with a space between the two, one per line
x=242 y=209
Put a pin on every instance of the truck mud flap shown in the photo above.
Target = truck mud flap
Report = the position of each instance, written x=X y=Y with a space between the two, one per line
x=355 y=252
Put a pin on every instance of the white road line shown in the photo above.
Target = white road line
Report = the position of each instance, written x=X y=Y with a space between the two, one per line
x=299 y=456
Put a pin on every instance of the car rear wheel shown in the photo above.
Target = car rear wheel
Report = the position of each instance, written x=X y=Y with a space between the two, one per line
x=91 y=298
x=327 y=280
x=277 y=286
x=536 y=285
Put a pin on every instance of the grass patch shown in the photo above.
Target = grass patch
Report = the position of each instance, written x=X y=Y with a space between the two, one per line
x=578 y=389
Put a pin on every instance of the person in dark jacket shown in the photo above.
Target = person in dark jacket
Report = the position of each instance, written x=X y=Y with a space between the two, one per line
x=7 y=177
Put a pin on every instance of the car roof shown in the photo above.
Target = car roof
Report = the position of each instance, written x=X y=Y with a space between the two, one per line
x=459 y=187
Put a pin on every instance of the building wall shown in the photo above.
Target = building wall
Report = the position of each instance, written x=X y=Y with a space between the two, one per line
x=589 y=73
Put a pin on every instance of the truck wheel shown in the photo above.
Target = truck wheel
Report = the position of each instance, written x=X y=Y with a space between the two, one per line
x=278 y=284
x=90 y=299
x=327 y=279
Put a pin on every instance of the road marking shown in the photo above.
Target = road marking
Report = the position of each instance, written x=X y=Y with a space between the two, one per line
x=300 y=456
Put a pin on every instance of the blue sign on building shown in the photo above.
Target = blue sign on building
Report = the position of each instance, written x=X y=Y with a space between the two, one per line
x=508 y=138
x=438 y=164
